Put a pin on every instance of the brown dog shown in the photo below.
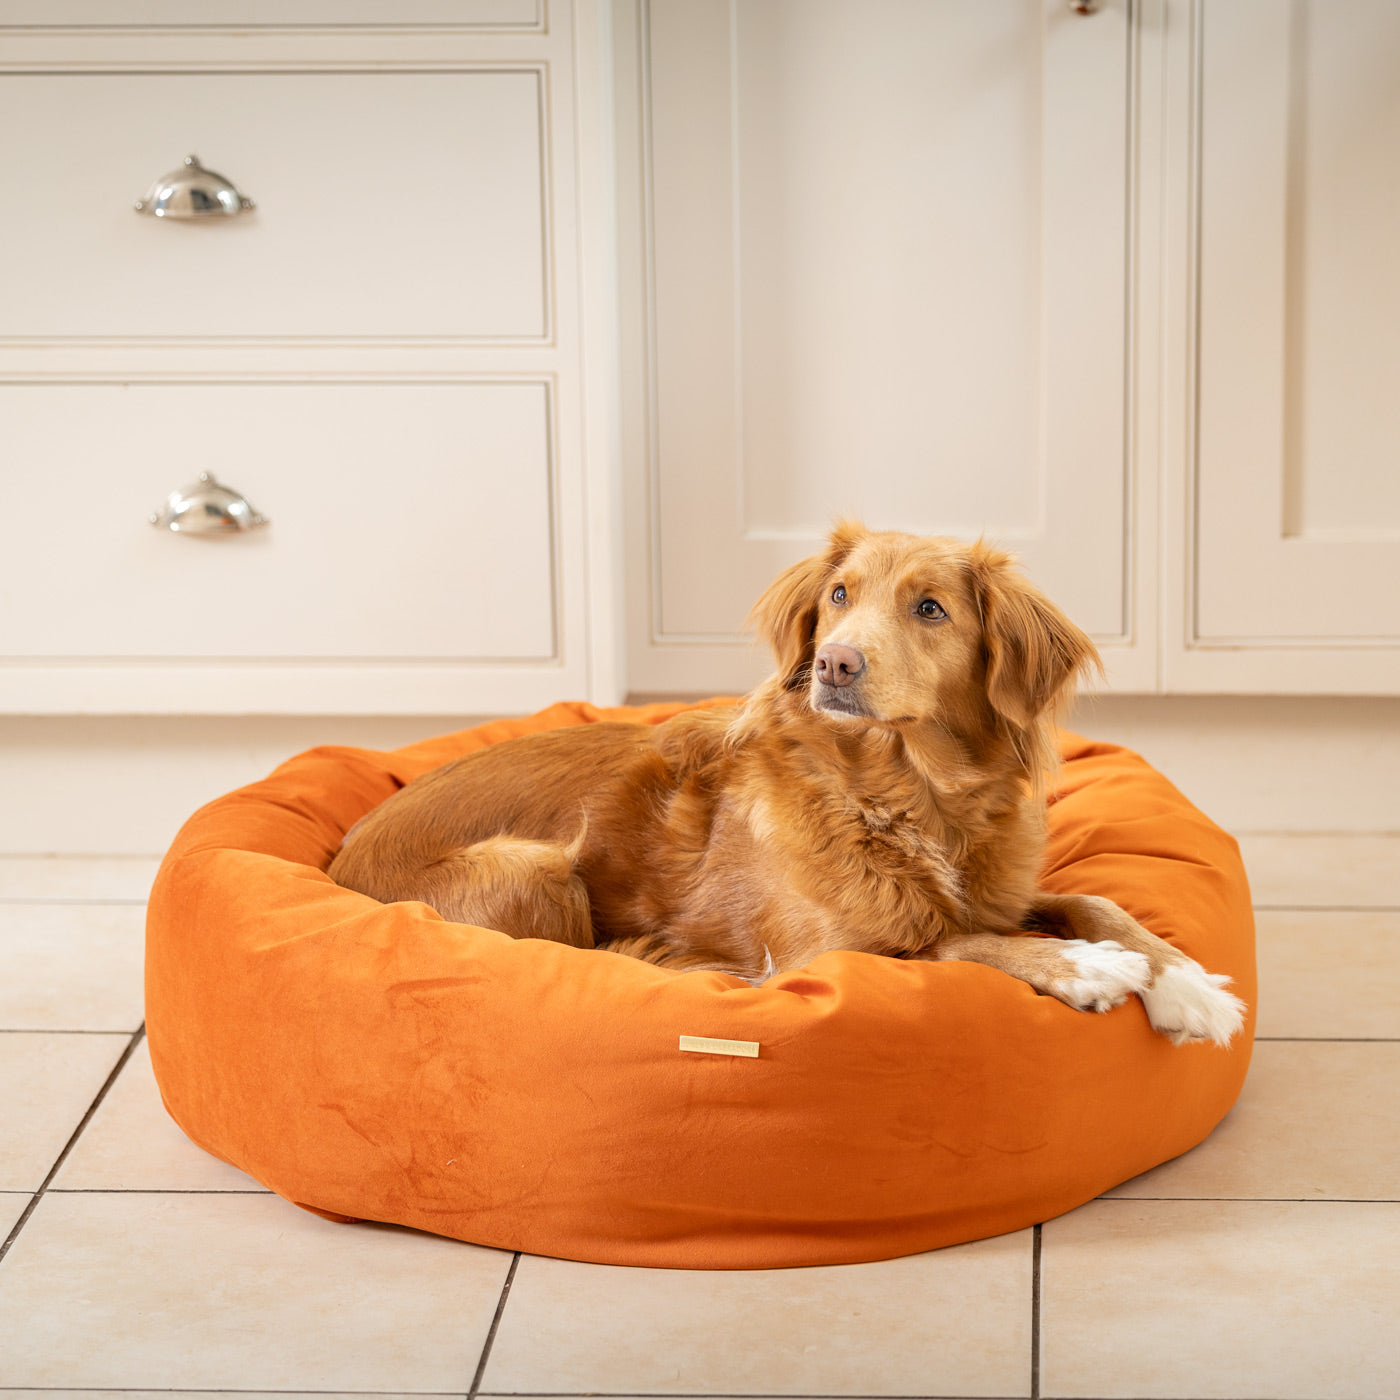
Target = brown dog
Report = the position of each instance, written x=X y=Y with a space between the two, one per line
x=881 y=792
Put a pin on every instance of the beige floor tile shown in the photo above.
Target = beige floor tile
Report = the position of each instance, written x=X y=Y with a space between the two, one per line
x=71 y=967
x=952 y=1322
x=1317 y=1120
x=12 y=1204
x=1326 y=973
x=47 y=1084
x=1214 y=1299
x=1303 y=872
x=132 y=1144
x=217 y=1292
x=250 y=1394
x=77 y=877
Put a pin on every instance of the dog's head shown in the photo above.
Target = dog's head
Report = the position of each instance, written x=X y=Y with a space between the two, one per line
x=884 y=628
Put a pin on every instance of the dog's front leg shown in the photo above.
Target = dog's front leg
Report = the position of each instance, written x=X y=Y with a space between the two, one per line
x=1184 y=1002
x=1089 y=976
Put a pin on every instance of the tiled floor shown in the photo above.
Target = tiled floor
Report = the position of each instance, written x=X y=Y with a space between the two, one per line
x=1264 y=1264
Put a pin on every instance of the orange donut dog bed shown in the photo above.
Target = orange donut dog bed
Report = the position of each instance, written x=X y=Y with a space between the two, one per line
x=373 y=1061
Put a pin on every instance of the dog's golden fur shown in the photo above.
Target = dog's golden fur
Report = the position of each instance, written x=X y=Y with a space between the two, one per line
x=881 y=792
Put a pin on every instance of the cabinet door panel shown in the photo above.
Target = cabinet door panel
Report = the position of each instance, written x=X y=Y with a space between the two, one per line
x=888 y=274
x=387 y=205
x=408 y=521
x=1297 y=536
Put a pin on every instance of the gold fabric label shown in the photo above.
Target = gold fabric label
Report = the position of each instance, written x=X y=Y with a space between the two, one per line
x=705 y=1045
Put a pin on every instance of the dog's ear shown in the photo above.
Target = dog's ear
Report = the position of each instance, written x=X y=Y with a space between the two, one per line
x=1035 y=654
x=785 y=617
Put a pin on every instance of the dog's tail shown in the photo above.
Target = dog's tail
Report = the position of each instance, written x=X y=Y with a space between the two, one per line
x=524 y=888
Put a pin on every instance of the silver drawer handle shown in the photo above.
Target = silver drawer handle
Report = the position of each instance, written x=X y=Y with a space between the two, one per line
x=207 y=508
x=192 y=192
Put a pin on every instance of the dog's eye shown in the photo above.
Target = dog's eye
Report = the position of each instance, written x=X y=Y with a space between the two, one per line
x=931 y=610
x=838 y=594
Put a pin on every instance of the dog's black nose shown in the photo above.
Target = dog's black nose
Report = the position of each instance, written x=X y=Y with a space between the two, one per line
x=838 y=664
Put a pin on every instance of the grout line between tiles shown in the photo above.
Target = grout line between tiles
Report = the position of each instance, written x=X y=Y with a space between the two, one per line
x=475 y=1389
x=102 y=1093
x=1035 y=1313
x=162 y=1191
x=52 y=899
x=555 y=1394
x=1264 y=1200
x=550 y=1394
x=62 y=1030
x=1312 y=833
x=1327 y=908
x=1327 y=1039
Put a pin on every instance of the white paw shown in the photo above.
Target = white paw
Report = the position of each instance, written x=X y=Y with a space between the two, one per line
x=1188 y=1003
x=1108 y=974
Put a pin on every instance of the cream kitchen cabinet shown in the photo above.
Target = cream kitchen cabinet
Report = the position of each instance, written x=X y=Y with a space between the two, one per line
x=384 y=355
x=882 y=270
x=380 y=542
x=558 y=329
x=252 y=16
x=388 y=205
x=1291 y=546
x=1115 y=288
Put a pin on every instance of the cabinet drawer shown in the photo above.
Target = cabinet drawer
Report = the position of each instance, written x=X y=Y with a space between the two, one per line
x=407 y=522
x=277 y=14
x=388 y=205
